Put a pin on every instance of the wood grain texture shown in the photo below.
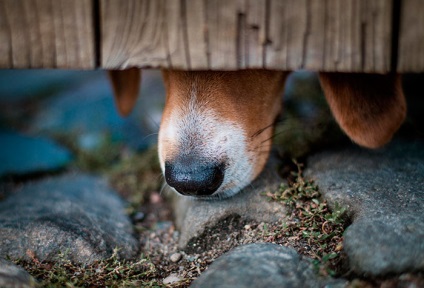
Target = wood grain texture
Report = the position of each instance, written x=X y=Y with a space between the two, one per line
x=177 y=35
x=330 y=35
x=252 y=30
x=321 y=35
x=197 y=34
x=411 y=36
x=185 y=34
x=46 y=34
x=135 y=33
x=221 y=23
x=288 y=22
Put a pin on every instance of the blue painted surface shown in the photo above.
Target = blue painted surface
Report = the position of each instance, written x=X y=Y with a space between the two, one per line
x=22 y=85
x=20 y=155
x=79 y=106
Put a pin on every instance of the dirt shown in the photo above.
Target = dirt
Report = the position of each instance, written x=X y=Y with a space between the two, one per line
x=159 y=242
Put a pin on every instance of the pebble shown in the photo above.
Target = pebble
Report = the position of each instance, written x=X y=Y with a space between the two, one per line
x=173 y=278
x=139 y=216
x=176 y=257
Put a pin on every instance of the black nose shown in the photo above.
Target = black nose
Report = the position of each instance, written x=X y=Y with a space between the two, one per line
x=194 y=178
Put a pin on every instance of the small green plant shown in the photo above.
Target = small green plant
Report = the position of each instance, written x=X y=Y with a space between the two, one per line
x=299 y=190
x=311 y=222
x=323 y=265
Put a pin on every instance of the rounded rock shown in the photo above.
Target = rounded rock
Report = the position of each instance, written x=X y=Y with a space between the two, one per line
x=176 y=257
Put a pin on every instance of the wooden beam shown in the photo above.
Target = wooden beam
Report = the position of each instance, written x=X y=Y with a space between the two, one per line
x=46 y=34
x=321 y=35
x=330 y=35
x=134 y=33
x=411 y=36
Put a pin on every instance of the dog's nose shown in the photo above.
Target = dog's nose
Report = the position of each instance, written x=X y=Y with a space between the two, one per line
x=194 y=178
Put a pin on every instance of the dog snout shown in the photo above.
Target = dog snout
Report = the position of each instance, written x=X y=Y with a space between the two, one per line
x=194 y=178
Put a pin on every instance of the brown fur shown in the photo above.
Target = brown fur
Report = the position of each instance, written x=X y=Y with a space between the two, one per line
x=369 y=108
x=126 y=85
x=251 y=98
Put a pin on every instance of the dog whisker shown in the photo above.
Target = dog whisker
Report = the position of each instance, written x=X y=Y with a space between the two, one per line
x=276 y=133
x=281 y=130
x=268 y=139
x=206 y=125
x=260 y=149
x=164 y=186
x=260 y=131
x=150 y=135
x=153 y=120
x=160 y=177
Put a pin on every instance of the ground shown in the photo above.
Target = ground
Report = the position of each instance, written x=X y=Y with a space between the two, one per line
x=312 y=228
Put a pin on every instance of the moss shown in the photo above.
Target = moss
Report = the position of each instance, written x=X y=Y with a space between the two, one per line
x=312 y=225
x=111 y=272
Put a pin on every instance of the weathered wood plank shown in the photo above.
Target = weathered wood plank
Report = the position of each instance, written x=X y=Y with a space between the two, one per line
x=411 y=36
x=221 y=23
x=197 y=33
x=182 y=34
x=377 y=19
x=134 y=33
x=175 y=13
x=330 y=35
x=253 y=33
x=326 y=35
x=287 y=29
x=187 y=34
x=46 y=34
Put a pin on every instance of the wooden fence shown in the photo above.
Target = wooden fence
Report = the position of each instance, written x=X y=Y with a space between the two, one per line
x=373 y=36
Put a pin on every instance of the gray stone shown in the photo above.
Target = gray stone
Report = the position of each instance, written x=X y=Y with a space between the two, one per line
x=262 y=265
x=77 y=215
x=383 y=191
x=193 y=216
x=13 y=276
x=87 y=115
x=24 y=155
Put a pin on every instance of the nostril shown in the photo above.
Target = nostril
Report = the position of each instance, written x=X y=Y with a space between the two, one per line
x=194 y=178
x=216 y=177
